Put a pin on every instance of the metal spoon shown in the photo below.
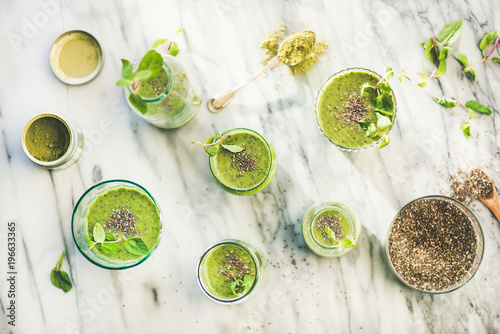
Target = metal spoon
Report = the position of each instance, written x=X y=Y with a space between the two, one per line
x=219 y=101
x=491 y=203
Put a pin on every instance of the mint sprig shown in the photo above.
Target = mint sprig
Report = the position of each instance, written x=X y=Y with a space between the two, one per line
x=438 y=49
x=108 y=242
x=488 y=39
x=345 y=242
x=213 y=143
x=240 y=287
x=470 y=107
x=59 y=278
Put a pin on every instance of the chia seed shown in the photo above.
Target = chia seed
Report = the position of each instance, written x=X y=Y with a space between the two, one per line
x=481 y=184
x=245 y=161
x=122 y=220
x=333 y=222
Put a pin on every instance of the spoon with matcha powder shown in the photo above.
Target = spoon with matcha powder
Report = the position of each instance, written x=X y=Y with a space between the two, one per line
x=485 y=190
x=293 y=50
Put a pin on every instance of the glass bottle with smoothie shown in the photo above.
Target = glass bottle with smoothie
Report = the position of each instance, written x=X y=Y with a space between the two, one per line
x=248 y=171
x=230 y=271
x=116 y=224
x=330 y=228
x=172 y=98
x=345 y=111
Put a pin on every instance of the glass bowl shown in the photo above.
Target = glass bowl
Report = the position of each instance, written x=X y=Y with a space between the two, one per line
x=79 y=225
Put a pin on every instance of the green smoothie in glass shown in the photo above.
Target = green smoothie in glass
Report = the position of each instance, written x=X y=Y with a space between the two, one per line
x=345 y=112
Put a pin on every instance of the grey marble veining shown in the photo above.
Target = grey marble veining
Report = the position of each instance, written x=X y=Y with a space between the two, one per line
x=303 y=293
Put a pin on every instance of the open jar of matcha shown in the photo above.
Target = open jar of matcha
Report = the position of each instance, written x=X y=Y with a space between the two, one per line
x=172 y=98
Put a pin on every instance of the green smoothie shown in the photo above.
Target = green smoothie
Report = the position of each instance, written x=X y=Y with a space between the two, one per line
x=318 y=227
x=341 y=110
x=248 y=171
x=222 y=265
x=123 y=204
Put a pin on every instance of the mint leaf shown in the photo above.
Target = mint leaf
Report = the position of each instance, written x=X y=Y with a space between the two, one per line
x=496 y=60
x=159 y=42
x=463 y=59
x=235 y=285
x=60 y=279
x=247 y=283
x=430 y=51
x=447 y=103
x=110 y=237
x=110 y=248
x=347 y=243
x=330 y=234
x=98 y=233
x=383 y=104
x=151 y=61
x=473 y=74
x=136 y=246
x=124 y=83
x=476 y=106
x=466 y=130
x=384 y=87
x=487 y=40
x=383 y=123
x=384 y=142
x=174 y=49
x=444 y=53
x=366 y=86
x=369 y=128
x=232 y=148
x=450 y=33
x=143 y=75
x=138 y=103
x=388 y=70
x=127 y=70
x=441 y=68
x=471 y=113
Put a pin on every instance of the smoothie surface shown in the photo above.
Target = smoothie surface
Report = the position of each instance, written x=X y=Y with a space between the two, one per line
x=148 y=223
x=318 y=235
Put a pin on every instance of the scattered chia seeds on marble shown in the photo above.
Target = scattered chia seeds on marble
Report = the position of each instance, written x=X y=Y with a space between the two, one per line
x=481 y=184
x=122 y=220
x=333 y=222
x=432 y=244
x=460 y=188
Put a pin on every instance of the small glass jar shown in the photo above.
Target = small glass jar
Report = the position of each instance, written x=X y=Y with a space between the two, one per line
x=479 y=239
x=75 y=145
x=180 y=101
x=79 y=225
x=235 y=190
x=203 y=272
x=322 y=91
x=349 y=222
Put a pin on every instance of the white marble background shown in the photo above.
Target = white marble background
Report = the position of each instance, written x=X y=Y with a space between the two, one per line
x=356 y=293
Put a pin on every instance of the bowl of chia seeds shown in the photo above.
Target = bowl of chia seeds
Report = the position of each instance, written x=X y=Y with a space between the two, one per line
x=435 y=244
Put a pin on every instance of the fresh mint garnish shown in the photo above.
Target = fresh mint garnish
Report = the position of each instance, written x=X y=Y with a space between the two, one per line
x=172 y=48
x=488 y=39
x=108 y=242
x=110 y=248
x=438 y=49
x=59 y=278
x=136 y=245
x=213 y=143
x=98 y=232
x=345 y=242
x=470 y=107
x=239 y=287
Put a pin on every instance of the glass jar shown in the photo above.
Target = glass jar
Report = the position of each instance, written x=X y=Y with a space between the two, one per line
x=74 y=139
x=80 y=225
x=204 y=271
x=179 y=102
x=232 y=186
x=349 y=222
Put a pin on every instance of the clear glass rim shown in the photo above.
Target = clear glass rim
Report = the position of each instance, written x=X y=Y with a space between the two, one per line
x=475 y=223
x=333 y=76
x=118 y=182
x=270 y=150
x=167 y=90
x=67 y=123
x=253 y=255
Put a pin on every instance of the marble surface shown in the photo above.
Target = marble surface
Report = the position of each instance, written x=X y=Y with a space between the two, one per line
x=303 y=292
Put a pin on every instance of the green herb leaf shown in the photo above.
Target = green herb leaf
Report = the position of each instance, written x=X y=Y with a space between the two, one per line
x=369 y=128
x=487 y=40
x=384 y=87
x=90 y=242
x=447 y=103
x=212 y=150
x=60 y=279
x=466 y=130
x=473 y=73
x=110 y=237
x=384 y=142
x=143 y=75
x=138 y=103
x=366 y=86
x=384 y=104
x=471 y=113
x=151 y=61
x=463 y=59
x=444 y=53
x=136 y=246
x=430 y=51
x=442 y=68
x=98 y=233
x=247 y=283
x=496 y=60
x=159 y=42
x=124 y=83
x=110 y=248
x=347 y=243
x=476 y=106
x=388 y=70
x=232 y=148
x=384 y=123
x=450 y=33
x=174 y=49
x=330 y=234
x=127 y=70
x=235 y=285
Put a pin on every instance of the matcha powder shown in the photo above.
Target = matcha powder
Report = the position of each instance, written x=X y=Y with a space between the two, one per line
x=47 y=139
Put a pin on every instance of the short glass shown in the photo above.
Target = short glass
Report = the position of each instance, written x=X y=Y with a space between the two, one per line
x=202 y=272
x=79 y=224
x=351 y=228
x=479 y=251
x=322 y=90
x=219 y=179
x=180 y=101
x=75 y=146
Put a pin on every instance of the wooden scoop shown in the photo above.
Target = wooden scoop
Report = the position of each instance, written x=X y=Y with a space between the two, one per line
x=491 y=203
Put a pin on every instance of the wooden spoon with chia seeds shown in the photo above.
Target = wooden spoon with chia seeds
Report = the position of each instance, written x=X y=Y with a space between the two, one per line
x=292 y=51
x=484 y=189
